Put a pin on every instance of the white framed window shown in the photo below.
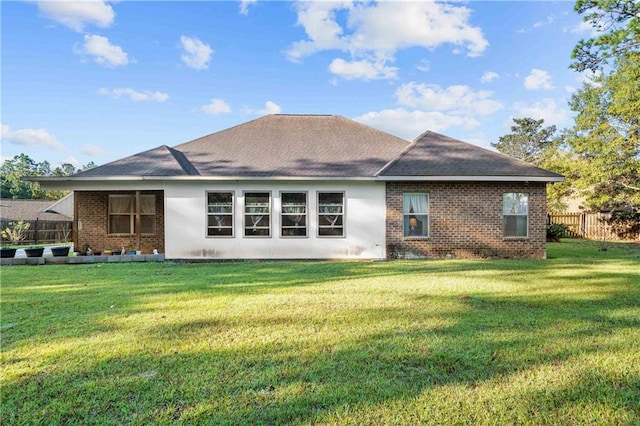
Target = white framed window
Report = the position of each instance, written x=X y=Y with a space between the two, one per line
x=293 y=217
x=220 y=214
x=415 y=213
x=122 y=214
x=257 y=214
x=515 y=212
x=331 y=214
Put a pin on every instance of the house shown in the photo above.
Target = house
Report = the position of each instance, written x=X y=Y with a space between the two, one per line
x=47 y=224
x=313 y=187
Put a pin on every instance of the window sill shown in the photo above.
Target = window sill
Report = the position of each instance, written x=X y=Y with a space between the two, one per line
x=415 y=238
x=515 y=238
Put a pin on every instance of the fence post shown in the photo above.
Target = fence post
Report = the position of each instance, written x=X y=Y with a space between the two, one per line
x=35 y=232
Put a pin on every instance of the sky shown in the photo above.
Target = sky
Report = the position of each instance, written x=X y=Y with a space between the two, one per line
x=101 y=80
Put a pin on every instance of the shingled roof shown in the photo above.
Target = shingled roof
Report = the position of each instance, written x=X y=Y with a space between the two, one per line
x=12 y=209
x=314 y=146
x=433 y=155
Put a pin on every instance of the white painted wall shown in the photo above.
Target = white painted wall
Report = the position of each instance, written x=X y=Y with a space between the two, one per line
x=185 y=222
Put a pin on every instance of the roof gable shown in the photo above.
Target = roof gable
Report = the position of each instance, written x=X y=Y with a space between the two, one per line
x=433 y=154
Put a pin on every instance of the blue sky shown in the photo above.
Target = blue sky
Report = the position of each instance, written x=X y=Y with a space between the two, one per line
x=97 y=81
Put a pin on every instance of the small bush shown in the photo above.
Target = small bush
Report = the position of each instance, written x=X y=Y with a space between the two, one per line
x=555 y=231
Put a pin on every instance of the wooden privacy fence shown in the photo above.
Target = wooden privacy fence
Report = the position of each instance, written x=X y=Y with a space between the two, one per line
x=592 y=226
x=43 y=231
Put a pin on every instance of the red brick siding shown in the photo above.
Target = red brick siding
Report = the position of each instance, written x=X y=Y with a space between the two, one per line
x=92 y=209
x=465 y=220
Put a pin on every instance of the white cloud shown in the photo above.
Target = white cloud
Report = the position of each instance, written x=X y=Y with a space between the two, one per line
x=244 y=6
x=423 y=65
x=196 y=54
x=362 y=70
x=380 y=29
x=30 y=138
x=550 y=19
x=546 y=109
x=77 y=14
x=538 y=80
x=70 y=160
x=135 y=95
x=489 y=76
x=411 y=124
x=215 y=107
x=270 y=108
x=94 y=150
x=102 y=51
x=460 y=100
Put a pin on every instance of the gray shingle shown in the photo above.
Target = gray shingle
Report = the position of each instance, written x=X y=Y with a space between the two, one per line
x=433 y=154
x=294 y=145
x=160 y=161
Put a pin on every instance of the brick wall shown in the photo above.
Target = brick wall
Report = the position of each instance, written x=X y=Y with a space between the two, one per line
x=92 y=210
x=465 y=220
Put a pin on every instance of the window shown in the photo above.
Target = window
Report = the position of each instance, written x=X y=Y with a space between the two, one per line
x=415 y=212
x=122 y=214
x=331 y=214
x=257 y=214
x=219 y=214
x=294 y=214
x=515 y=211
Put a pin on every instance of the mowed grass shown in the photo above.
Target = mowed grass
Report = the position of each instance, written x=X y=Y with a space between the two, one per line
x=402 y=342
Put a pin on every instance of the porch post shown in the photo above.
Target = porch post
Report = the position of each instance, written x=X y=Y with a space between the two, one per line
x=138 y=230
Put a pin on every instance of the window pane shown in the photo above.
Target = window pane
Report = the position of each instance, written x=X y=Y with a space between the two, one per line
x=220 y=202
x=148 y=204
x=515 y=203
x=415 y=203
x=294 y=198
x=120 y=224
x=148 y=224
x=120 y=204
x=515 y=226
x=416 y=225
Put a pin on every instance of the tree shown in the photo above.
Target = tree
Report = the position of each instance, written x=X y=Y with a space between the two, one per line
x=13 y=170
x=618 y=25
x=606 y=136
x=528 y=140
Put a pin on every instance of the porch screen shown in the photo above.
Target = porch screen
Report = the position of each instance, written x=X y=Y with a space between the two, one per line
x=122 y=214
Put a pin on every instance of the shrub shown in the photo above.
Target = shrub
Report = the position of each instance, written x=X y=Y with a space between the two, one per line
x=555 y=231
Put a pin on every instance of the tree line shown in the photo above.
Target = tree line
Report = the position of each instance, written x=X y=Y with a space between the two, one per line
x=600 y=154
x=13 y=170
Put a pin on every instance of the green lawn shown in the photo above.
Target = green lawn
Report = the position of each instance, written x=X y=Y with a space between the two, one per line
x=402 y=342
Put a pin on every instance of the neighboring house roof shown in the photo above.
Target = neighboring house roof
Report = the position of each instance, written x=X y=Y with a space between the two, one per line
x=438 y=156
x=28 y=210
x=312 y=147
x=63 y=206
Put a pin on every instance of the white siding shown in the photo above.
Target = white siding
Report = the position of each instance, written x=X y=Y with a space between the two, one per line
x=185 y=219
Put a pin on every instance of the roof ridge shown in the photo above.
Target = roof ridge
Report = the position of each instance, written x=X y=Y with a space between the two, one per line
x=183 y=161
